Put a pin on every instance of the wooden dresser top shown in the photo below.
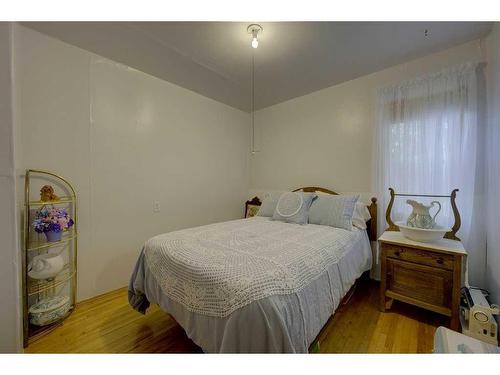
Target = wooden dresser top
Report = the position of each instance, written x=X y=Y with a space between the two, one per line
x=443 y=245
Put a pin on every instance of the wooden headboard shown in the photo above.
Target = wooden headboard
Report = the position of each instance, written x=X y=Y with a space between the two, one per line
x=371 y=225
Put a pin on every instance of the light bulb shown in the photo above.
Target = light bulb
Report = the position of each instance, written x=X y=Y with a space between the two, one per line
x=255 y=42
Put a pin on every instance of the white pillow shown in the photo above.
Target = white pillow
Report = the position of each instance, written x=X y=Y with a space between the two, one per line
x=293 y=207
x=269 y=203
x=360 y=216
x=333 y=210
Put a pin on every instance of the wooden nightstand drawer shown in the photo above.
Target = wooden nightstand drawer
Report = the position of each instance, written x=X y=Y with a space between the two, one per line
x=425 y=257
x=420 y=283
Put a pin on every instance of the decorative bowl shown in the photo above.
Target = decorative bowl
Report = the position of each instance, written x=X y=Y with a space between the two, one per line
x=49 y=310
x=422 y=235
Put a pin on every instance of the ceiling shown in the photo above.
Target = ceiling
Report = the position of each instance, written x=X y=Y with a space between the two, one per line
x=293 y=58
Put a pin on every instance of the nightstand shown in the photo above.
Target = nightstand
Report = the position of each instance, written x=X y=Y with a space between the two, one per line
x=428 y=275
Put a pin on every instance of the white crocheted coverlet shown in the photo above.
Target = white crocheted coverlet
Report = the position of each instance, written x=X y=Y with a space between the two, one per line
x=218 y=268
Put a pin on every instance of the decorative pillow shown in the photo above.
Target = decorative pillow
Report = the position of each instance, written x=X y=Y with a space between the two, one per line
x=360 y=216
x=333 y=210
x=294 y=207
x=269 y=204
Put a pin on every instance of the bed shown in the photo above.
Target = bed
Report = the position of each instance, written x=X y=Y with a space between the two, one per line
x=252 y=285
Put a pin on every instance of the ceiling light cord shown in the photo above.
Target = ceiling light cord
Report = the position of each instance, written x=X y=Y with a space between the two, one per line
x=253 y=29
x=253 y=102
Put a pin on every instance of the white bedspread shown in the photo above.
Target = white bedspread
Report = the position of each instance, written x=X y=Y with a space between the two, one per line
x=216 y=269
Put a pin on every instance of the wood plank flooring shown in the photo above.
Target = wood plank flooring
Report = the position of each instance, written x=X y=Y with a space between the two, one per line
x=359 y=327
x=107 y=324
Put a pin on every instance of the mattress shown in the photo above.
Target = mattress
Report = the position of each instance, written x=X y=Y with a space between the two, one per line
x=279 y=317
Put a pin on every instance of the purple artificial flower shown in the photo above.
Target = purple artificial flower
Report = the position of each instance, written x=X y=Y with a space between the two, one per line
x=56 y=227
x=52 y=219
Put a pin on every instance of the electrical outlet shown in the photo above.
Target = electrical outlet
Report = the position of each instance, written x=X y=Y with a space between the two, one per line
x=156 y=206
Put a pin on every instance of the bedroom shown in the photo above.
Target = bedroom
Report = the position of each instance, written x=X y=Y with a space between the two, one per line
x=166 y=129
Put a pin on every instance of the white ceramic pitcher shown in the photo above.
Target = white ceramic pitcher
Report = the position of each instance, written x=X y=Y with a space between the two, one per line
x=421 y=217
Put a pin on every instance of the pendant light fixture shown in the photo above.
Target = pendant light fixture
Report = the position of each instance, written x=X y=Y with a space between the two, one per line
x=254 y=29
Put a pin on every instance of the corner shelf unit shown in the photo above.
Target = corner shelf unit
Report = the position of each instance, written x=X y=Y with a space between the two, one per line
x=65 y=282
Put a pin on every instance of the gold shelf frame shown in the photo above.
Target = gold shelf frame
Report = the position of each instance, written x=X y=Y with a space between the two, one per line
x=61 y=200
x=40 y=288
x=37 y=245
x=30 y=287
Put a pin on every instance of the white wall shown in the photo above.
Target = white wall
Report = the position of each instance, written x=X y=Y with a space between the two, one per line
x=10 y=328
x=125 y=139
x=325 y=138
x=493 y=165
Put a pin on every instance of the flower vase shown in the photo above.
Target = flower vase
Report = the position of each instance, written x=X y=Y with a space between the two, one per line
x=53 y=236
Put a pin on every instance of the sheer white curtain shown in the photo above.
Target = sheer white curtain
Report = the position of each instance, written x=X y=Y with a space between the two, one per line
x=429 y=141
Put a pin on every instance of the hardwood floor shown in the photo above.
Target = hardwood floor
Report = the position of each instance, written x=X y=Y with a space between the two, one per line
x=359 y=326
x=107 y=324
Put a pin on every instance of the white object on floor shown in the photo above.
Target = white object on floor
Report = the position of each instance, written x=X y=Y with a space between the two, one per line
x=448 y=341
x=476 y=316
x=421 y=234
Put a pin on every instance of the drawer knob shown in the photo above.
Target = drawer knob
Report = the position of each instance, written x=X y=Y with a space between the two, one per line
x=440 y=261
